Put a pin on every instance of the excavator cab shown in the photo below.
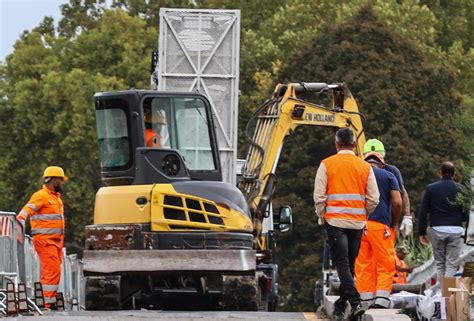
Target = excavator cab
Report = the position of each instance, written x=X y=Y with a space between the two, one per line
x=148 y=137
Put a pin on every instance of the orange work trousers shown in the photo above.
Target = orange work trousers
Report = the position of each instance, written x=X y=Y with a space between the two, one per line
x=375 y=264
x=50 y=253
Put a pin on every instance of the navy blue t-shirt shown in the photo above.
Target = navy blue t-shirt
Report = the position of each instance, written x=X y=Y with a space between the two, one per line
x=395 y=171
x=386 y=182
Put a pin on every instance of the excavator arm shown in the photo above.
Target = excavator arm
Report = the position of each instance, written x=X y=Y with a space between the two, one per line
x=277 y=118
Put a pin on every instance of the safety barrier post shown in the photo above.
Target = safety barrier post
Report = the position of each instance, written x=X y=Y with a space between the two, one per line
x=39 y=296
x=60 y=301
x=22 y=298
x=12 y=307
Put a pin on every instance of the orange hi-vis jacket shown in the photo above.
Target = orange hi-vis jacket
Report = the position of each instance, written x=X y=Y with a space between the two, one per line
x=152 y=139
x=46 y=212
x=347 y=177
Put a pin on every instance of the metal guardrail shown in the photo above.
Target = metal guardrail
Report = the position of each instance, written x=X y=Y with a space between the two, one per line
x=9 y=267
x=19 y=262
x=425 y=272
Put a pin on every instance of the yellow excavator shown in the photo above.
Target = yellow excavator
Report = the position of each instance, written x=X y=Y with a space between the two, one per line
x=167 y=232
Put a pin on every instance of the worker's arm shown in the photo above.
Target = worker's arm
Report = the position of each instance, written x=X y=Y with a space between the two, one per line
x=423 y=217
x=320 y=197
x=396 y=201
x=33 y=205
x=372 y=193
x=406 y=202
x=404 y=269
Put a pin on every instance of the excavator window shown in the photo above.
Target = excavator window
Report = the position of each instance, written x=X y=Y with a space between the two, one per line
x=113 y=138
x=180 y=123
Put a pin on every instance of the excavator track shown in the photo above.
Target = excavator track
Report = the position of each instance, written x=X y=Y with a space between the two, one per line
x=109 y=292
x=241 y=293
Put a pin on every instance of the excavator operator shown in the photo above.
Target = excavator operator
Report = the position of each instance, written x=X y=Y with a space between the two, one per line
x=154 y=121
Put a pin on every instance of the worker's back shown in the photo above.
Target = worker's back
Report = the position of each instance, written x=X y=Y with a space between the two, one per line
x=347 y=177
x=442 y=202
x=386 y=182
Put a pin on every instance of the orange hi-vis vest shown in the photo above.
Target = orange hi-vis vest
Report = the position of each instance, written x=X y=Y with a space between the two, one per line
x=46 y=212
x=347 y=177
x=152 y=139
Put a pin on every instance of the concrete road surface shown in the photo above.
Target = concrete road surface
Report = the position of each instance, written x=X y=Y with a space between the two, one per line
x=162 y=315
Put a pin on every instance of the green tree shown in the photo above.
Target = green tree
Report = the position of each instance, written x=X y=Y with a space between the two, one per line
x=48 y=110
x=409 y=104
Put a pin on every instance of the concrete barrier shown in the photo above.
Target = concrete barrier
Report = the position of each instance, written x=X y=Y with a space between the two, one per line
x=370 y=315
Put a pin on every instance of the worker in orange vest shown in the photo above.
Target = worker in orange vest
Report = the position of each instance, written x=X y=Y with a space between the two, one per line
x=45 y=210
x=153 y=125
x=401 y=267
x=375 y=264
x=345 y=192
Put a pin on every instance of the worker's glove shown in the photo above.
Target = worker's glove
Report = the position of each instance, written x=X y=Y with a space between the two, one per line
x=406 y=228
x=320 y=218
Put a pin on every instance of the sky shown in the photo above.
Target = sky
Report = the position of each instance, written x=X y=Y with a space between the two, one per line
x=19 y=15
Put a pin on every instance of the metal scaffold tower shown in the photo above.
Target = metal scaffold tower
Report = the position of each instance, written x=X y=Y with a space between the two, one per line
x=199 y=51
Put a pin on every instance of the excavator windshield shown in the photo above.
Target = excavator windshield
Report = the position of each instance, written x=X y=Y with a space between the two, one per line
x=179 y=123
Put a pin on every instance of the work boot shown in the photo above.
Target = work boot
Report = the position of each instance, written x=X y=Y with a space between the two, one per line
x=51 y=306
x=339 y=310
x=357 y=310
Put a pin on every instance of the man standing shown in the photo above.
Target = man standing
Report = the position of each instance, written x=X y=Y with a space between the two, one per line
x=345 y=192
x=406 y=227
x=46 y=212
x=375 y=264
x=445 y=220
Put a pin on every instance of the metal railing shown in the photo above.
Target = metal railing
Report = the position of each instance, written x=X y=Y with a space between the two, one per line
x=9 y=267
x=19 y=262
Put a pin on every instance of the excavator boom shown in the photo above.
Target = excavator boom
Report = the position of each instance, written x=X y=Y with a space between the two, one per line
x=277 y=118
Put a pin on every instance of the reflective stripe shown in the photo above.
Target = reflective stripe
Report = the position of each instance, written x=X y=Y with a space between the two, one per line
x=49 y=299
x=346 y=197
x=365 y=296
x=32 y=206
x=50 y=287
x=382 y=293
x=345 y=210
x=24 y=213
x=46 y=217
x=385 y=302
x=47 y=231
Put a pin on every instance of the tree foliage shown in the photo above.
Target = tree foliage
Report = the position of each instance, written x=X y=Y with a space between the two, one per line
x=409 y=104
x=50 y=81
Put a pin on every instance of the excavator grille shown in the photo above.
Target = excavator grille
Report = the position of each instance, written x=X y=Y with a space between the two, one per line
x=190 y=210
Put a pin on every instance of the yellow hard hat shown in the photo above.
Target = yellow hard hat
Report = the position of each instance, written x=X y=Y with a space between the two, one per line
x=54 y=171
x=154 y=118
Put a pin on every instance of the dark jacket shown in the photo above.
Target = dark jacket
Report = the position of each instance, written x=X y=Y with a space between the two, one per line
x=439 y=202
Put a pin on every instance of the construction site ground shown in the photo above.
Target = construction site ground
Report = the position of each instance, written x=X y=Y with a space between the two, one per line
x=170 y=315
x=132 y=315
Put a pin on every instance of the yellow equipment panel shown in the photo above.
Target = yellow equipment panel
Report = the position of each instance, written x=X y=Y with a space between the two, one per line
x=123 y=204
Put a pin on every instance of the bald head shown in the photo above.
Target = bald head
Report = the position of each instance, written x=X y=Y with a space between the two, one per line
x=447 y=169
